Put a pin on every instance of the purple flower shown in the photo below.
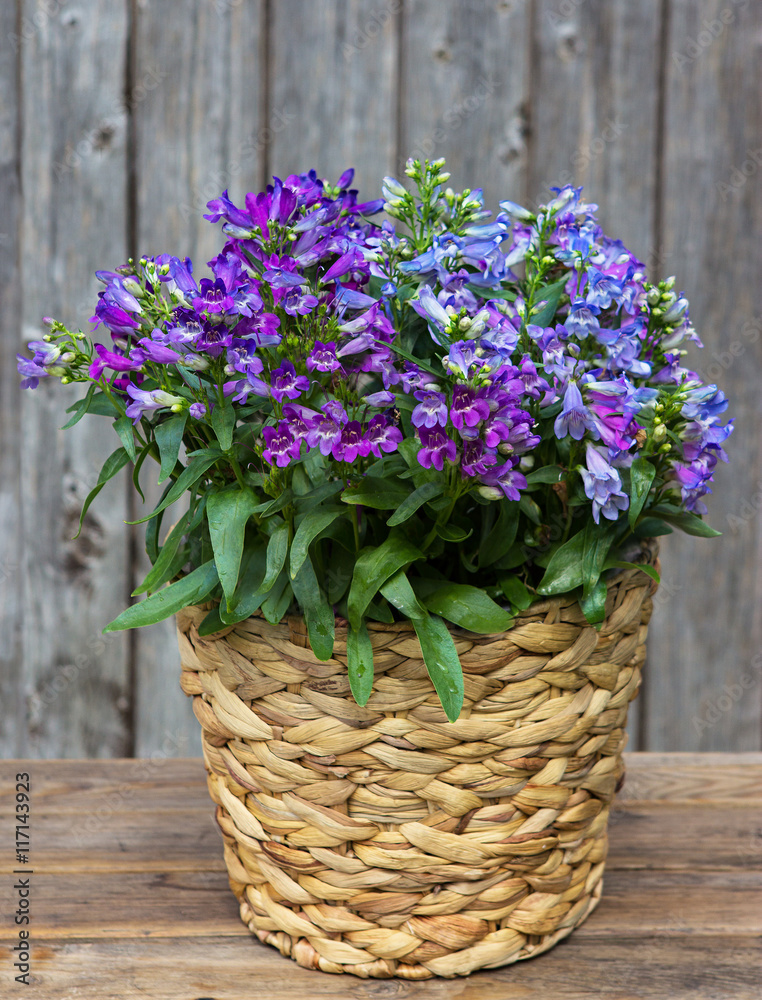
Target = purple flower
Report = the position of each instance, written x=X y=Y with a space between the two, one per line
x=468 y=407
x=582 y=319
x=109 y=359
x=146 y=400
x=213 y=297
x=198 y=410
x=351 y=443
x=323 y=357
x=431 y=410
x=382 y=435
x=158 y=352
x=476 y=458
x=574 y=418
x=325 y=430
x=693 y=485
x=282 y=446
x=380 y=398
x=298 y=303
x=603 y=486
x=503 y=481
x=436 y=447
x=285 y=382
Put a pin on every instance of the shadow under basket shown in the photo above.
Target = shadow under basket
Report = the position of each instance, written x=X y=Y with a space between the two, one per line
x=386 y=841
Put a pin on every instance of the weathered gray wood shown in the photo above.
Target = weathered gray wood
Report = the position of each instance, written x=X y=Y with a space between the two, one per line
x=197 y=82
x=465 y=92
x=12 y=726
x=704 y=685
x=333 y=89
x=74 y=178
x=594 y=121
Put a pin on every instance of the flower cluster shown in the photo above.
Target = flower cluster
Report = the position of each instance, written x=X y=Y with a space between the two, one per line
x=508 y=386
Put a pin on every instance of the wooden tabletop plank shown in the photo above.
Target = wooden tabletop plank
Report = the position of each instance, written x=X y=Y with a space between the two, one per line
x=687 y=968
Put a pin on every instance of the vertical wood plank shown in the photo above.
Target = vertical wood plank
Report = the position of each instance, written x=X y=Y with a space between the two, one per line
x=594 y=114
x=705 y=685
x=465 y=78
x=333 y=86
x=198 y=130
x=12 y=717
x=73 y=221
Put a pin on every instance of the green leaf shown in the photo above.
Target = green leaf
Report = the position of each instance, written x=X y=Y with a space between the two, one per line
x=250 y=593
x=689 y=523
x=644 y=567
x=452 y=533
x=144 y=453
x=502 y=536
x=547 y=474
x=551 y=293
x=417 y=499
x=190 y=475
x=442 y=663
x=652 y=527
x=223 y=423
x=273 y=506
x=360 y=663
x=309 y=529
x=379 y=611
x=316 y=496
x=564 y=570
x=317 y=612
x=158 y=572
x=516 y=592
x=113 y=464
x=381 y=494
x=596 y=541
x=593 y=603
x=277 y=603
x=373 y=567
x=398 y=592
x=412 y=357
x=191 y=589
x=228 y=513
x=123 y=427
x=463 y=605
x=211 y=624
x=492 y=293
x=80 y=408
x=531 y=508
x=277 y=549
x=169 y=437
x=642 y=475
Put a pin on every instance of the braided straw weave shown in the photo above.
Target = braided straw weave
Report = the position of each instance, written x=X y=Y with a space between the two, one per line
x=385 y=841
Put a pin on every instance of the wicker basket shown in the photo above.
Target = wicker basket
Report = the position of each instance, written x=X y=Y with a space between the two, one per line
x=385 y=841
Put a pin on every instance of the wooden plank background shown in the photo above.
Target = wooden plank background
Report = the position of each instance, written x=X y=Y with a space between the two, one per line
x=119 y=119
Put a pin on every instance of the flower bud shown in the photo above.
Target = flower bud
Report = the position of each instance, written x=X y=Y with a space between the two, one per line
x=660 y=431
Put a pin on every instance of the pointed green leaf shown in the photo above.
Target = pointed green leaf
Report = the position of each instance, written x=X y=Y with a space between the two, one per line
x=373 y=567
x=643 y=567
x=191 y=589
x=564 y=569
x=689 y=523
x=397 y=591
x=80 y=408
x=190 y=475
x=228 y=513
x=360 y=663
x=278 y=601
x=552 y=296
x=317 y=612
x=223 y=423
x=593 y=603
x=410 y=504
x=502 y=536
x=547 y=474
x=211 y=624
x=169 y=437
x=442 y=663
x=123 y=427
x=158 y=572
x=309 y=528
x=250 y=593
x=113 y=465
x=516 y=592
x=642 y=475
x=277 y=549
x=463 y=605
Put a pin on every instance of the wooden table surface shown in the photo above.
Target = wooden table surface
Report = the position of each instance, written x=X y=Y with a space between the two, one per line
x=129 y=895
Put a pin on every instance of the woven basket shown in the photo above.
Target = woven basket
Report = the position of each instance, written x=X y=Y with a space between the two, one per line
x=385 y=841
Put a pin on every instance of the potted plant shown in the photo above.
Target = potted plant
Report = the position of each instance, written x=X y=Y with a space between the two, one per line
x=423 y=462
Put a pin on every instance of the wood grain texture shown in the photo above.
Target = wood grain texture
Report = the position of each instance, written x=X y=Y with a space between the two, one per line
x=12 y=722
x=704 y=639
x=197 y=80
x=465 y=92
x=663 y=928
x=333 y=86
x=74 y=175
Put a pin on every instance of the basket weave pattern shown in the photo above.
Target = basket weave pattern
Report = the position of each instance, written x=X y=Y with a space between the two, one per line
x=385 y=841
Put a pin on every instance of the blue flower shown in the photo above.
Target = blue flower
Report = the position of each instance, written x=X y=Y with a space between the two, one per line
x=575 y=418
x=603 y=486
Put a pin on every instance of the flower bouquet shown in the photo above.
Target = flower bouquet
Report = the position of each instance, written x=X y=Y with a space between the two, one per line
x=423 y=460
